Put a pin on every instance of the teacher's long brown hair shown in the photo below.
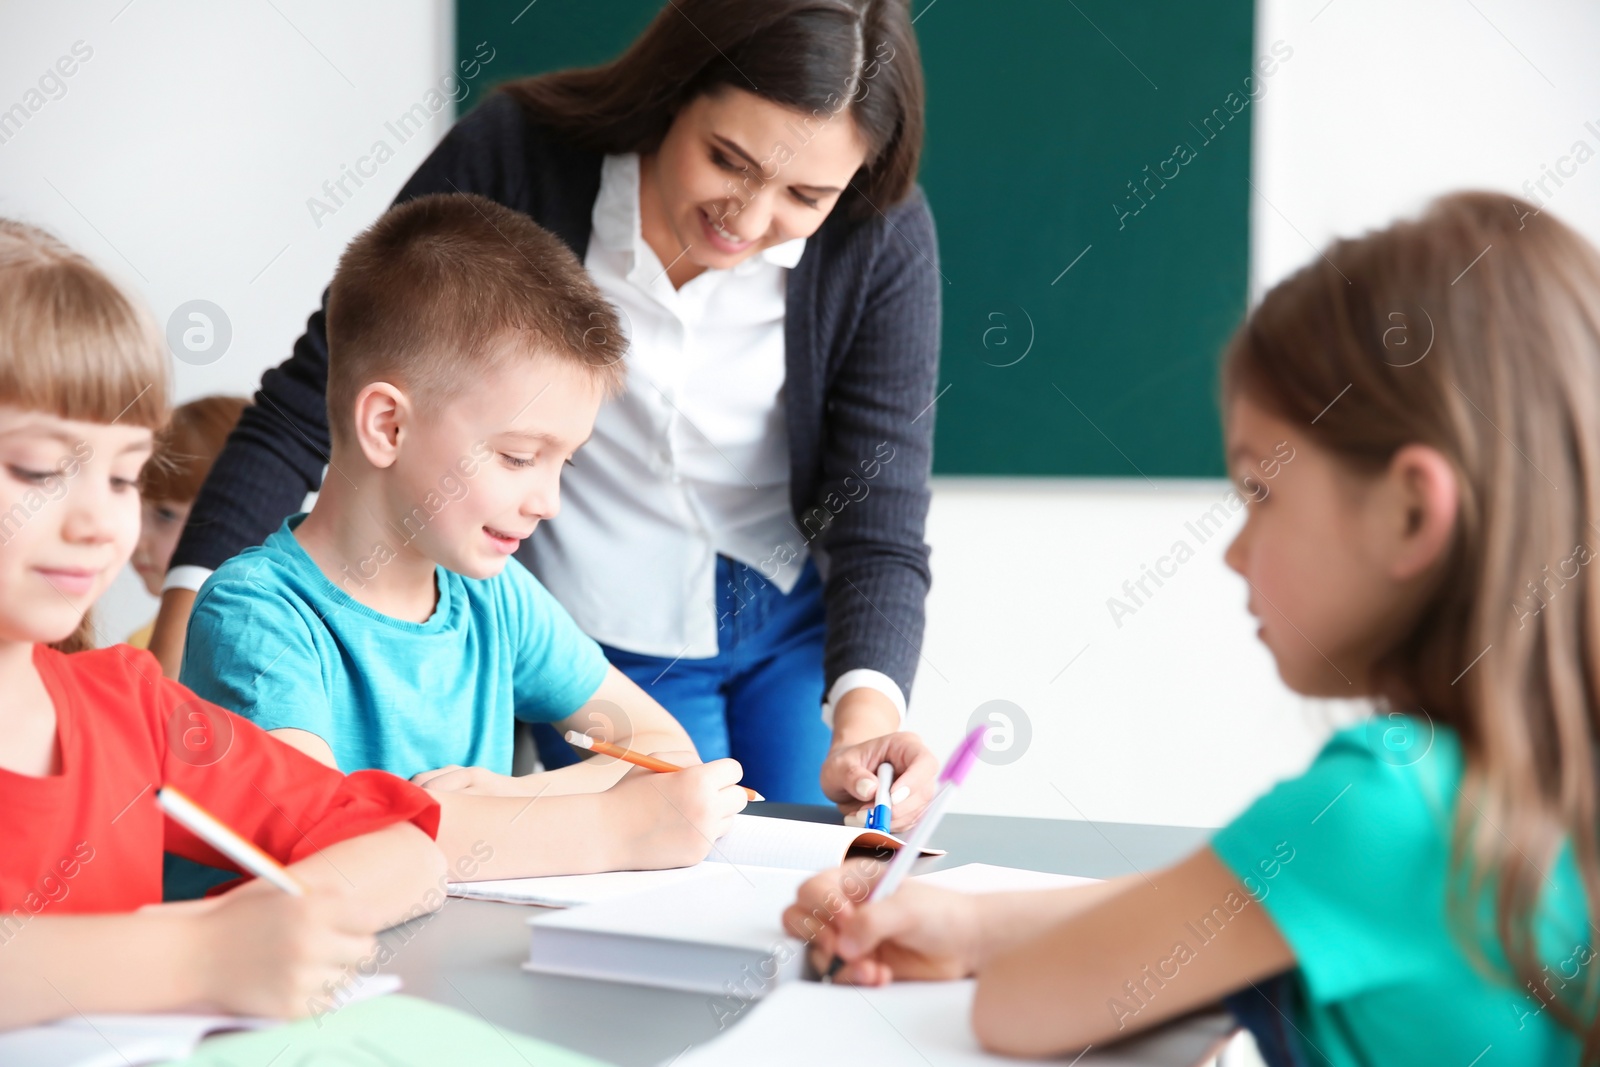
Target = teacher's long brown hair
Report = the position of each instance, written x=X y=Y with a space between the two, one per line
x=1476 y=330
x=818 y=57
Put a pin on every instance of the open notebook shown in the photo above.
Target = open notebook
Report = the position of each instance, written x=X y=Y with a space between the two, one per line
x=754 y=841
x=124 y=1040
x=116 y=1040
x=712 y=928
x=388 y=1031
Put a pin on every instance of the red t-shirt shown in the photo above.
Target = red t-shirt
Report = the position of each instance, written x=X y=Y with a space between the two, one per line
x=90 y=838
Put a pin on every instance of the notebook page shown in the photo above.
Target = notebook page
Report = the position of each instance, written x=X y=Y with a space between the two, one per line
x=115 y=1040
x=758 y=841
x=754 y=841
x=571 y=890
x=391 y=1032
x=988 y=878
x=804 y=1023
x=734 y=907
x=156 y=1037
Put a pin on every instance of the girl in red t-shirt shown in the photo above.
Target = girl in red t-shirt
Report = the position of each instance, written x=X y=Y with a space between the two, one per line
x=87 y=739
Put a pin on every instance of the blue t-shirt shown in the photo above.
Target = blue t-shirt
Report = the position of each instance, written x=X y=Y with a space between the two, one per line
x=1352 y=861
x=273 y=639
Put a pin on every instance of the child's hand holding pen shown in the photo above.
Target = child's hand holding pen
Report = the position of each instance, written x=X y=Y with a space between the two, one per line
x=918 y=933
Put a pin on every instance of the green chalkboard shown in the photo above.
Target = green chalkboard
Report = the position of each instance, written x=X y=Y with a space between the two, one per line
x=1088 y=166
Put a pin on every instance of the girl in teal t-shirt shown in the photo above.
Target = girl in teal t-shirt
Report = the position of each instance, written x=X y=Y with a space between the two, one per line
x=1414 y=422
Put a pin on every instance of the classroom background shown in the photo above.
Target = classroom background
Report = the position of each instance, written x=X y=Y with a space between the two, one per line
x=203 y=153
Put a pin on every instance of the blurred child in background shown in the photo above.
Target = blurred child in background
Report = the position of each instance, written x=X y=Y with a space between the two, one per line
x=172 y=479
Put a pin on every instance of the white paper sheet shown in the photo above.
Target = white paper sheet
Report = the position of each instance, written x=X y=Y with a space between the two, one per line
x=572 y=890
x=754 y=841
x=908 y=1022
x=988 y=878
x=124 y=1040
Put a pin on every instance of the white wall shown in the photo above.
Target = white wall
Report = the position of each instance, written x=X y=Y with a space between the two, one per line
x=183 y=152
x=1170 y=714
x=1178 y=717
x=1387 y=104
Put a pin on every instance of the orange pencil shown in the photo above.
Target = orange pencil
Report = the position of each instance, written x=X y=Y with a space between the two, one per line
x=628 y=755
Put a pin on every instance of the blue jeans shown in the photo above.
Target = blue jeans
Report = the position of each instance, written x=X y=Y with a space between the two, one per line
x=759 y=699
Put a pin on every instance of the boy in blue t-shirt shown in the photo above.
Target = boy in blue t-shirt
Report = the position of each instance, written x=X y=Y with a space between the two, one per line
x=468 y=353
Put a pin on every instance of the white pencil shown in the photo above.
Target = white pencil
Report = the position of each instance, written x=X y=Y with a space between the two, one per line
x=212 y=831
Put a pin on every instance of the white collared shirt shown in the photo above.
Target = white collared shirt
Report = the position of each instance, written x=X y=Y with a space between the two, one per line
x=692 y=460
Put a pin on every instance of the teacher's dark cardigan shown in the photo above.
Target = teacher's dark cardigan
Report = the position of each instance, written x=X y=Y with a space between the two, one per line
x=861 y=334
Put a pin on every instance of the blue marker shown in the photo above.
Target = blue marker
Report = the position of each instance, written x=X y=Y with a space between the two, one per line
x=878 y=817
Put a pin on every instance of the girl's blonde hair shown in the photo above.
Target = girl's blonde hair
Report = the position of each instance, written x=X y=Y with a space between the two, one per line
x=74 y=345
x=1475 y=330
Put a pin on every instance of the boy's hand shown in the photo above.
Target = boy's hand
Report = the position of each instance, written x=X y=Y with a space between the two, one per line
x=474 y=780
x=919 y=933
x=264 y=952
x=672 y=820
x=850 y=776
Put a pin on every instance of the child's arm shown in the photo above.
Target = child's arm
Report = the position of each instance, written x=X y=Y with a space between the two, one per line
x=622 y=713
x=307 y=742
x=254 y=951
x=393 y=874
x=647 y=822
x=1117 y=968
x=170 y=629
x=165 y=958
x=1057 y=969
x=366 y=834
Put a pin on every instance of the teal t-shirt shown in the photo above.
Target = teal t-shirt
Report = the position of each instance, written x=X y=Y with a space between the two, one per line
x=1352 y=861
x=274 y=640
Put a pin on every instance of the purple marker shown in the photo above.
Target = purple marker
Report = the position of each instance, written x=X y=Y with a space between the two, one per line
x=954 y=773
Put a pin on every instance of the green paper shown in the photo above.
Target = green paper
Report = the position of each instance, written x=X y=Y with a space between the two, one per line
x=389 y=1031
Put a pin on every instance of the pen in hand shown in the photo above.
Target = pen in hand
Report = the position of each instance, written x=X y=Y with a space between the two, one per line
x=879 y=817
x=954 y=773
x=208 y=828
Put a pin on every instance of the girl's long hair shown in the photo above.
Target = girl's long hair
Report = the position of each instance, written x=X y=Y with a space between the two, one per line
x=853 y=59
x=74 y=345
x=1475 y=329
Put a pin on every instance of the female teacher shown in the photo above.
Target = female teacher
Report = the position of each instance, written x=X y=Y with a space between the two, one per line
x=743 y=533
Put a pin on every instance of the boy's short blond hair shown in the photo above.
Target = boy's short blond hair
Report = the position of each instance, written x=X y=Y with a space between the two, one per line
x=426 y=297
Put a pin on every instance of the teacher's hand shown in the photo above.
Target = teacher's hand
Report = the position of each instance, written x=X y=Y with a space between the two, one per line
x=850 y=772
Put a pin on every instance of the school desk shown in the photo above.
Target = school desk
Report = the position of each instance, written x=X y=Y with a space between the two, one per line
x=467 y=955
